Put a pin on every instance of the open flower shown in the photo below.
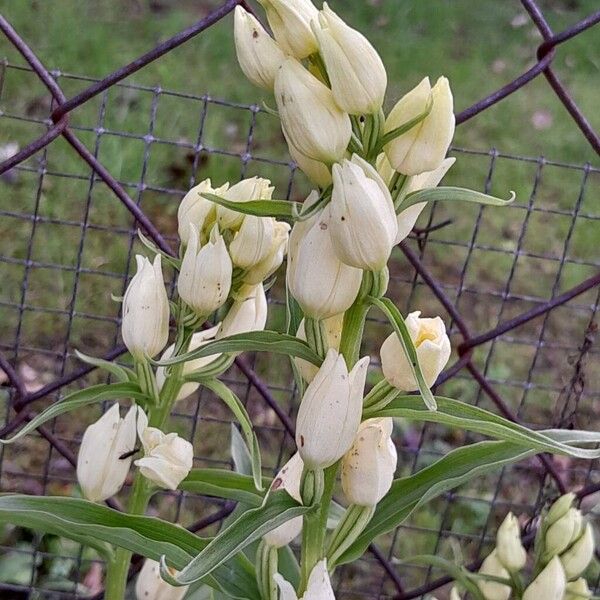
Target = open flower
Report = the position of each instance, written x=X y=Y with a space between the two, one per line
x=317 y=588
x=258 y=272
x=252 y=243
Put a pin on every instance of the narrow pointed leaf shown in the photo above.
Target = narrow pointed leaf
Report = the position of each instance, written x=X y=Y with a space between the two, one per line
x=280 y=209
x=222 y=483
x=452 y=194
x=119 y=372
x=95 y=393
x=174 y=262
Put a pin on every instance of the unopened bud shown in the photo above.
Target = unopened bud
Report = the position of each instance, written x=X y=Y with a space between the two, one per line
x=509 y=549
x=550 y=584
x=576 y=559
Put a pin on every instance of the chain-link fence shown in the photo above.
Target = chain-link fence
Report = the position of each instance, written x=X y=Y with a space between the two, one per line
x=521 y=303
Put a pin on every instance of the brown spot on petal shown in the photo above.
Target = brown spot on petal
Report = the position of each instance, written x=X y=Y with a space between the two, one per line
x=277 y=483
x=302 y=441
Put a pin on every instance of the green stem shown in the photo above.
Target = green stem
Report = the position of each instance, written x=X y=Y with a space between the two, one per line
x=312 y=551
x=352 y=331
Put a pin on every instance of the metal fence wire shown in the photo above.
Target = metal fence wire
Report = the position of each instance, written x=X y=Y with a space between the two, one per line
x=523 y=332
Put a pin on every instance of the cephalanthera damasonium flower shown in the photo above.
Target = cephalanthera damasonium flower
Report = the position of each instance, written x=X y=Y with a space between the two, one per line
x=197 y=210
x=252 y=243
x=321 y=283
x=356 y=72
x=362 y=219
x=199 y=339
x=167 y=457
x=290 y=21
x=318 y=173
x=509 y=549
x=258 y=272
x=330 y=411
x=253 y=188
x=563 y=532
x=205 y=276
x=368 y=467
x=100 y=471
x=333 y=336
x=578 y=590
x=317 y=588
x=493 y=590
x=433 y=351
x=550 y=584
x=287 y=479
x=258 y=53
x=247 y=313
x=151 y=586
x=145 y=325
x=311 y=120
x=429 y=179
x=423 y=147
x=576 y=559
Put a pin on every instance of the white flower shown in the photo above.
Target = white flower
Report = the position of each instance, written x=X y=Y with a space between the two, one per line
x=287 y=479
x=247 y=313
x=492 y=590
x=318 y=173
x=258 y=53
x=330 y=411
x=423 y=147
x=362 y=219
x=151 y=586
x=290 y=22
x=197 y=210
x=550 y=584
x=199 y=339
x=576 y=559
x=311 y=120
x=333 y=336
x=253 y=188
x=433 y=351
x=577 y=590
x=100 y=470
x=563 y=532
x=509 y=549
x=356 y=72
x=266 y=267
x=145 y=324
x=253 y=242
x=559 y=508
x=205 y=277
x=368 y=467
x=321 y=283
x=167 y=458
x=318 y=586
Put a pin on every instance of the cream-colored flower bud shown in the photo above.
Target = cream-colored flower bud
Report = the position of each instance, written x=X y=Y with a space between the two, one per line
x=509 y=549
x=550 y=584
x=197 y=210
x=252 y=243
x=145 y=324
x=492 y=590
x=253 y=188
x=311 y=120
x=151 y=586
x=333 y=336
x=559 y=508
x=101 y=472
x=318 y=173
x=578 y=590
x=562 y=533
x=205 y=276
x=423 y=147
x=321 y=283
x=576 y=559
x=290 y=21
x=368 y=467
x=454 y=595
x=433 y=351
x=266 y=267
x=330 y=411
x=317 y=588
x=248 y=312
x=362 y=219
x=167 y=459
x=287 y=479
x=200 y=338
x=356 y=72
x=258 y=53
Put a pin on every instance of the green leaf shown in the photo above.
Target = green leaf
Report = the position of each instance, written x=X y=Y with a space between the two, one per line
x=397 y=320
x=280 y=209
x=99 y=527
x=278 y=508
x=253 y=341
x=222 y=483
x=120 y=373
x=96 y=393
x=453 y=194
x=240 y=453
x=239 y=410
x=472 y=418
x=174 y=262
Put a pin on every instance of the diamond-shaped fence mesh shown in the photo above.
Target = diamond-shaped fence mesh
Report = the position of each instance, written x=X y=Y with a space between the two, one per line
x=522 y=305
